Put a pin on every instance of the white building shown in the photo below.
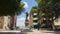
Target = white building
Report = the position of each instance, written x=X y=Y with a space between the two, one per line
x=4 y=21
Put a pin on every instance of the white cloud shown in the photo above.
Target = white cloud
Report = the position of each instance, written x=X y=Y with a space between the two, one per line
x=26 y=5
x=21 y=21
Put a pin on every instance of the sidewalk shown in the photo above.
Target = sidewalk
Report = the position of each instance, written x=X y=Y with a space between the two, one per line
x=17 y=31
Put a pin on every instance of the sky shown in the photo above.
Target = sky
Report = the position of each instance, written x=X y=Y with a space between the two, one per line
x=28 y=5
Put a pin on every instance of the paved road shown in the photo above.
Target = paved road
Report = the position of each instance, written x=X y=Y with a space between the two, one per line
x=41 y=31
x=44 y=32
x=21 y=32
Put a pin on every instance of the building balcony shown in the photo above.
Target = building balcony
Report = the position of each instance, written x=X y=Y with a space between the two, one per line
x=35 y=14
x=35 y=23
x=35 y=18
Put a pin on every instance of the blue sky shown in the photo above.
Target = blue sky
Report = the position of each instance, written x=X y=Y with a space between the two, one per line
x=21 y=18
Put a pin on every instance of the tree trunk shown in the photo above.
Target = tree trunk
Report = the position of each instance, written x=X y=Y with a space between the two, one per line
x=41 y=18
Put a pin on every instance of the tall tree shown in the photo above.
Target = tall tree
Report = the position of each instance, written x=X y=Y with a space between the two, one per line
x=10 y=7
x=21 y=8
x=50 y=8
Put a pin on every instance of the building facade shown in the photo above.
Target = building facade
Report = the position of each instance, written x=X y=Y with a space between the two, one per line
x=30 y=20
x=33 y=19
x=1 y=22
x=4 y=20
x=7 y=21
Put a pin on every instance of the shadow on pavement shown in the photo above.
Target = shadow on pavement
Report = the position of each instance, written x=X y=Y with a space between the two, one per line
x=11 y=33
x=27 y=30
x=48 y=32
x=46 y=29
x=52 y=31
x=57 y=32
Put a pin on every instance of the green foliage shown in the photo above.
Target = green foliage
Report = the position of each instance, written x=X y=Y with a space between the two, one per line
x=51 y=8
x=21 y=8
x=34 y=10
x=10 y=7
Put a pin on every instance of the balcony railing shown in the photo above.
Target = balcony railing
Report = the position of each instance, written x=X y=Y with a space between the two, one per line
x=35 y=23
x=35 y=18
x=35 y=14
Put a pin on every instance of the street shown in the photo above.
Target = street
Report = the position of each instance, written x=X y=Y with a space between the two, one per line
x=41 y=32
x=44 y=32
x=34 y=31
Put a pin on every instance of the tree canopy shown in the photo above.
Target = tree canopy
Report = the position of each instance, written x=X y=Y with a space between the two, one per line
x=51 y=8
x=9 y=7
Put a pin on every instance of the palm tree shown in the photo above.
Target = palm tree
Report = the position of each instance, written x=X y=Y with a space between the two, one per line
x=14 y=17
x=11 y=7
